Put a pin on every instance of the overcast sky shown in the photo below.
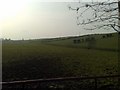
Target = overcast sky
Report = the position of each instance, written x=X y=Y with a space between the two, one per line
x=33 y=19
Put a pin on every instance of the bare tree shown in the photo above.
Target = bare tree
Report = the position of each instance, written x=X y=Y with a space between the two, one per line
x=104 y=14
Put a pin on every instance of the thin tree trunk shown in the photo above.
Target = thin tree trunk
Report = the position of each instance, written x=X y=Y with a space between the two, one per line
x=119 y=41
x=119 y=14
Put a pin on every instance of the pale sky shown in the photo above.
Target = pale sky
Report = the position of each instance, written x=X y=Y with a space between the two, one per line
x=32 y=19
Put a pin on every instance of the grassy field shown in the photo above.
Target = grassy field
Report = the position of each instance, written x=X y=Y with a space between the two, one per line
x=59 y=57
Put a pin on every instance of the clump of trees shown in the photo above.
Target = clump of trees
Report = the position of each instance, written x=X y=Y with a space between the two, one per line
x=6 y=39
x=76 y=41
x=91 y=41
x=107 y=36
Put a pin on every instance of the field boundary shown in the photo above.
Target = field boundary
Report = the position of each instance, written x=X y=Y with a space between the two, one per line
x=24 y=82
x=94 y=48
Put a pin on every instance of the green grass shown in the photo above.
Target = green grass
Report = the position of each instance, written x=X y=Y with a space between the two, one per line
x=40 y=59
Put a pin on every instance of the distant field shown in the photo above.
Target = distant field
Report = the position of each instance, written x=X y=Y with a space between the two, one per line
x=32 y=59
x=100 y=41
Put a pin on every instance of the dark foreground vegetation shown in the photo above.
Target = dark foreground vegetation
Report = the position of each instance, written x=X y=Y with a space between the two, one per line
x=61 y=57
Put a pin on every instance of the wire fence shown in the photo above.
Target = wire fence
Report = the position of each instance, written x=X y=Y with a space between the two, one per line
x=66 y=83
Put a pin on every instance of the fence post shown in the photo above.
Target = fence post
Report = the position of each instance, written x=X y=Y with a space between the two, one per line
x=23 y=86
x=95 y=83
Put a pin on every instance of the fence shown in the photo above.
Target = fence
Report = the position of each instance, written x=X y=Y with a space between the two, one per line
x=26 y=84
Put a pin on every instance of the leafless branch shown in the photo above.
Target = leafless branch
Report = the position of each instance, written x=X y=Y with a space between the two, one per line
x=114 y=26
x=106 y=12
